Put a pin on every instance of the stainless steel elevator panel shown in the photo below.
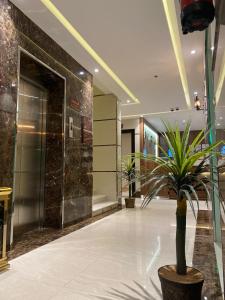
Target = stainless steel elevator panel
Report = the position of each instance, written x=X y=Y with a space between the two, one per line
x=30 y=156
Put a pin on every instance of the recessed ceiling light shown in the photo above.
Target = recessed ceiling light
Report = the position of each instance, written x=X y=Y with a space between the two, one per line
x=128 y=101
x=221 y=118
x=184 y=121
x=96 y=70
x=218 y=124
x=81 y=72
x=141 y=116
x=195 y=93
x=193 y=51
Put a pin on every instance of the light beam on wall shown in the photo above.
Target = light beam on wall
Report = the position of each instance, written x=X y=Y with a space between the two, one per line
x=170 y=11
x=78 y=37
x=220 y=81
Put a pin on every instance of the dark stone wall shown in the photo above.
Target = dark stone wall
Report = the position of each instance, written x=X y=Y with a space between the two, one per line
x=69 y=160
x=8 y=93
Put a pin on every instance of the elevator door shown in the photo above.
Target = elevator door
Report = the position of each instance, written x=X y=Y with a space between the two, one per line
x=30 y=156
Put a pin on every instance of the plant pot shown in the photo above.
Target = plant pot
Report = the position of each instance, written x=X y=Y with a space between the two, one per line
x=130 y=202
x=180 y=287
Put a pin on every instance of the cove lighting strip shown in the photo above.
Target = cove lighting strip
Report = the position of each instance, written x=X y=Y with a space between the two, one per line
x=170 y=11
x=220 y=81
x=78 y=37
x=155 y=113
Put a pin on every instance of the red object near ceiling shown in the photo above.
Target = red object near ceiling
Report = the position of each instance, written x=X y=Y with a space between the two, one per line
x=196 y=15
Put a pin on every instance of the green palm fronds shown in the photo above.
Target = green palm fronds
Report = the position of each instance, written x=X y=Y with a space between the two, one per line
x=183 y=173
x=184 y=170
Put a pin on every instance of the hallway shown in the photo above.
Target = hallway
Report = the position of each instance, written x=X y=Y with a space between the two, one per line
x=114 y=258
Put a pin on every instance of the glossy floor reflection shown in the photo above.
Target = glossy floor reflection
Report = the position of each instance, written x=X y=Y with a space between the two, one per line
x=114 y=258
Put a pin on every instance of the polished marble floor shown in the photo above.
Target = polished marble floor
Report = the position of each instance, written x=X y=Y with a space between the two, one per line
x=114 y=258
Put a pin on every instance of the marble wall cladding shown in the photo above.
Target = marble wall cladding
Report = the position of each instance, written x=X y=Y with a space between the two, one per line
x=8 y=78
x=68 y=160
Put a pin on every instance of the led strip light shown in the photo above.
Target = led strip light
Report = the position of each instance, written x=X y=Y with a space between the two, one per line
x=220 y=81
x=78 y=37
x=170 y=11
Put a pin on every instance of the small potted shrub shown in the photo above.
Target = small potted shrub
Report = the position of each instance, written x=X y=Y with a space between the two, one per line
x=183 y=174
x=128 y=175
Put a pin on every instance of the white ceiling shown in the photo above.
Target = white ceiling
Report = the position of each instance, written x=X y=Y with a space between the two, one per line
x=133 y=38
x=197 y=118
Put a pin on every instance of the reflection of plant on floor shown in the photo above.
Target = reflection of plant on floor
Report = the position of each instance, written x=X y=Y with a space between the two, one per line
x=136 y=292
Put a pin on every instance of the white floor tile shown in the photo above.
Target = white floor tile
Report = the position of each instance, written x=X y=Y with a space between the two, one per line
x=114 y=258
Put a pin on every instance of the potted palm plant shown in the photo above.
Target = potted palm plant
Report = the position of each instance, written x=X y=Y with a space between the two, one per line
x=183 y=174
x=129 y=175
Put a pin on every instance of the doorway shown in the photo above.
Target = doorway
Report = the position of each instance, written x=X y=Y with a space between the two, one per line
x=128 y=147
x=39 y=148
x=30 y=155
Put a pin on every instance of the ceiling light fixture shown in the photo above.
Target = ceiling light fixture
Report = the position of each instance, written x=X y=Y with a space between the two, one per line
x=184 y=121
x=128 y=101
x=78 y=37
x=170 y=11
x=221 y=118
x=96 y=70
x=193 y=52
x=81 y=73
x=218 y=124
x=200 y=104
x=197 y=103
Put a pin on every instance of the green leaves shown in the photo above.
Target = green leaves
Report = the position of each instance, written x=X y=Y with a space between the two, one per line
x=128 y=168
x=184 y=171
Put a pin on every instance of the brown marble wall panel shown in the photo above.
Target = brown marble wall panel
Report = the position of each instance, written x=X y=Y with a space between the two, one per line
x=8 y=79
x=53 y=215
x=87 y=123
x=77 y=206
x=68 y=175
x=8 y=95
x=7 y=135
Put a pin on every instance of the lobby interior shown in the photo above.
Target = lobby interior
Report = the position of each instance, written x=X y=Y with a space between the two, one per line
x=86 y=87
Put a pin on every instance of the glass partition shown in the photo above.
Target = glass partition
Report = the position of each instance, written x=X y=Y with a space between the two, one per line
x=216 y=132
